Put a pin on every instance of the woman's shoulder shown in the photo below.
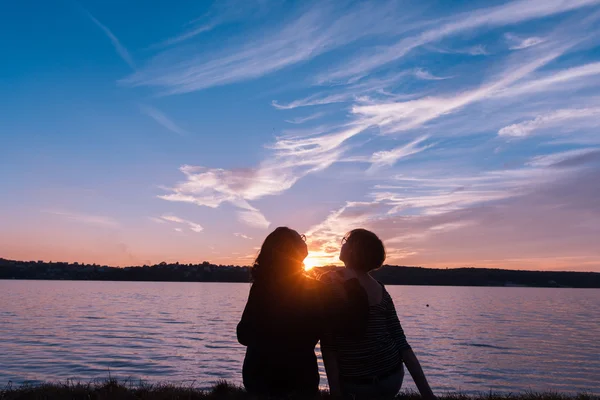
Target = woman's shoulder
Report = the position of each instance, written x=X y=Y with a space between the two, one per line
x=339 y=280
x=322 y=289
x=313 y=286
x=328 y=276
x=337 y=276
x=383 y=288
x=386 y=299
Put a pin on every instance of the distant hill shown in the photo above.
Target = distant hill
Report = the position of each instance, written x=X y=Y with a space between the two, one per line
x=485 y=277
x=207 y=272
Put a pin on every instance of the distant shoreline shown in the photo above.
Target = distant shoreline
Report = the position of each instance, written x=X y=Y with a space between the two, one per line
x=207 y=272
x=249 y=283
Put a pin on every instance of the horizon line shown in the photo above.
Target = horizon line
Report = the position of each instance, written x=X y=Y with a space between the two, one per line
x=320 y=266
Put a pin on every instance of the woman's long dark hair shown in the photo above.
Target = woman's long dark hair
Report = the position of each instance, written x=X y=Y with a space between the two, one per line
x=281 y=256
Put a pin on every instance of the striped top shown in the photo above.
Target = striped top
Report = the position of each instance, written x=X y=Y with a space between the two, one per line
x=378 y=350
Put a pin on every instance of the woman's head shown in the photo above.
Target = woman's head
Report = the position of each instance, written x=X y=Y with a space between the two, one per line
x=281 y=255
x=362 y=250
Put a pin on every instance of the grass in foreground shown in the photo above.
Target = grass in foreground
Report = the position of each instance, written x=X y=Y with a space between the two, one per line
x=114 y=390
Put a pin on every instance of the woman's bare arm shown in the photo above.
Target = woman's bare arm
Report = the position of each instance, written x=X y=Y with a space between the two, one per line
x=414 y=367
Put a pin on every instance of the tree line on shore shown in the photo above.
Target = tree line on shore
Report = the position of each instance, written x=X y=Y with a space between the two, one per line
x=207 y=272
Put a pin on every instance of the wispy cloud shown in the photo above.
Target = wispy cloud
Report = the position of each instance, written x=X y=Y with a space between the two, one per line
x=552 y=119
x=291 y=159
x=478 y=50
x=433 y=196
x=350 y=93
x=88 y=219
x=314 y=100
x=243 y=64
x=456 y=123
x=301 y=120
x=554 y=159
x=189 y=34
x=220 y=12
x=510 y=13
x=195 y=227
x=241 y=235
x=162 y=119
x=253 y=218
x=401 y=116
x=517 y=43
x=553 y=80
x=428 y=76
x=433 y=215
x=312 y=33
x=119 y=48
x=390 y=157
x=211 y=188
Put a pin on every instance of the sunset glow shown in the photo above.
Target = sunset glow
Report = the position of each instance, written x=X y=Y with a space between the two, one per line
x=464 y=134
x=311 y=262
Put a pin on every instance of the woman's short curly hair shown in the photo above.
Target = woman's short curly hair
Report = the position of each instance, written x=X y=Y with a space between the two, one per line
x=368 y=251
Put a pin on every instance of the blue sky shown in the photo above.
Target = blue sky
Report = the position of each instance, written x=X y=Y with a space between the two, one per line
x=463 y=133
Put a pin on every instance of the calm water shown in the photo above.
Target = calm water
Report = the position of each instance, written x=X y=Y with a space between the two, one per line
x=469 y=339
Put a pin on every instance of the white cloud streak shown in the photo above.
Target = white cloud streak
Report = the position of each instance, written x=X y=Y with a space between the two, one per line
x=553 y=119
x=119 y=48
x=355 y=92
x=253 y=218
x=401 y=116
x=220 y=12
x=88 y=219
x=421 y=208
x=162 y=119
x=304 y=38
x=553 y=81
x=478 y=50
x=301 y=120
x=188 y=34
x=390 y=157
x=428 y=76
x=518 y=43
x=314 y=100
x=292 y=158
x=507 y=14
x=195 y=227
x=550 y=160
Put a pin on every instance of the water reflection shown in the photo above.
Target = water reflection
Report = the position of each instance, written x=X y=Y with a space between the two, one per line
x=470 y=339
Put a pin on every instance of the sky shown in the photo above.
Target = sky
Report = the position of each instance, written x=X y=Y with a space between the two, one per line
x=463 y=133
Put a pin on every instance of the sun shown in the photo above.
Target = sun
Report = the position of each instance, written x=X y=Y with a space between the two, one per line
x=310 y=262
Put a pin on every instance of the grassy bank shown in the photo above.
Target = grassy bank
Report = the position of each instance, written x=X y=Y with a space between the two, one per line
x=114 y=390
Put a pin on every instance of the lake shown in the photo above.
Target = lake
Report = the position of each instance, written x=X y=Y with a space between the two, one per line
x=471 y=339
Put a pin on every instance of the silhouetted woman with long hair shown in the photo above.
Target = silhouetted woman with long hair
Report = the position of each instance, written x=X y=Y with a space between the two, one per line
x=370 y=366
x=285 y=316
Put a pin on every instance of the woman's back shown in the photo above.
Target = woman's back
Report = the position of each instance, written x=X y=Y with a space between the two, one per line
x=378 y=350
x=281 y=326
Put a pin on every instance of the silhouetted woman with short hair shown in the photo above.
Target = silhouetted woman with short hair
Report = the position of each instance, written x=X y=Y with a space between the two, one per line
x=370 y=366
x=285 y=316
